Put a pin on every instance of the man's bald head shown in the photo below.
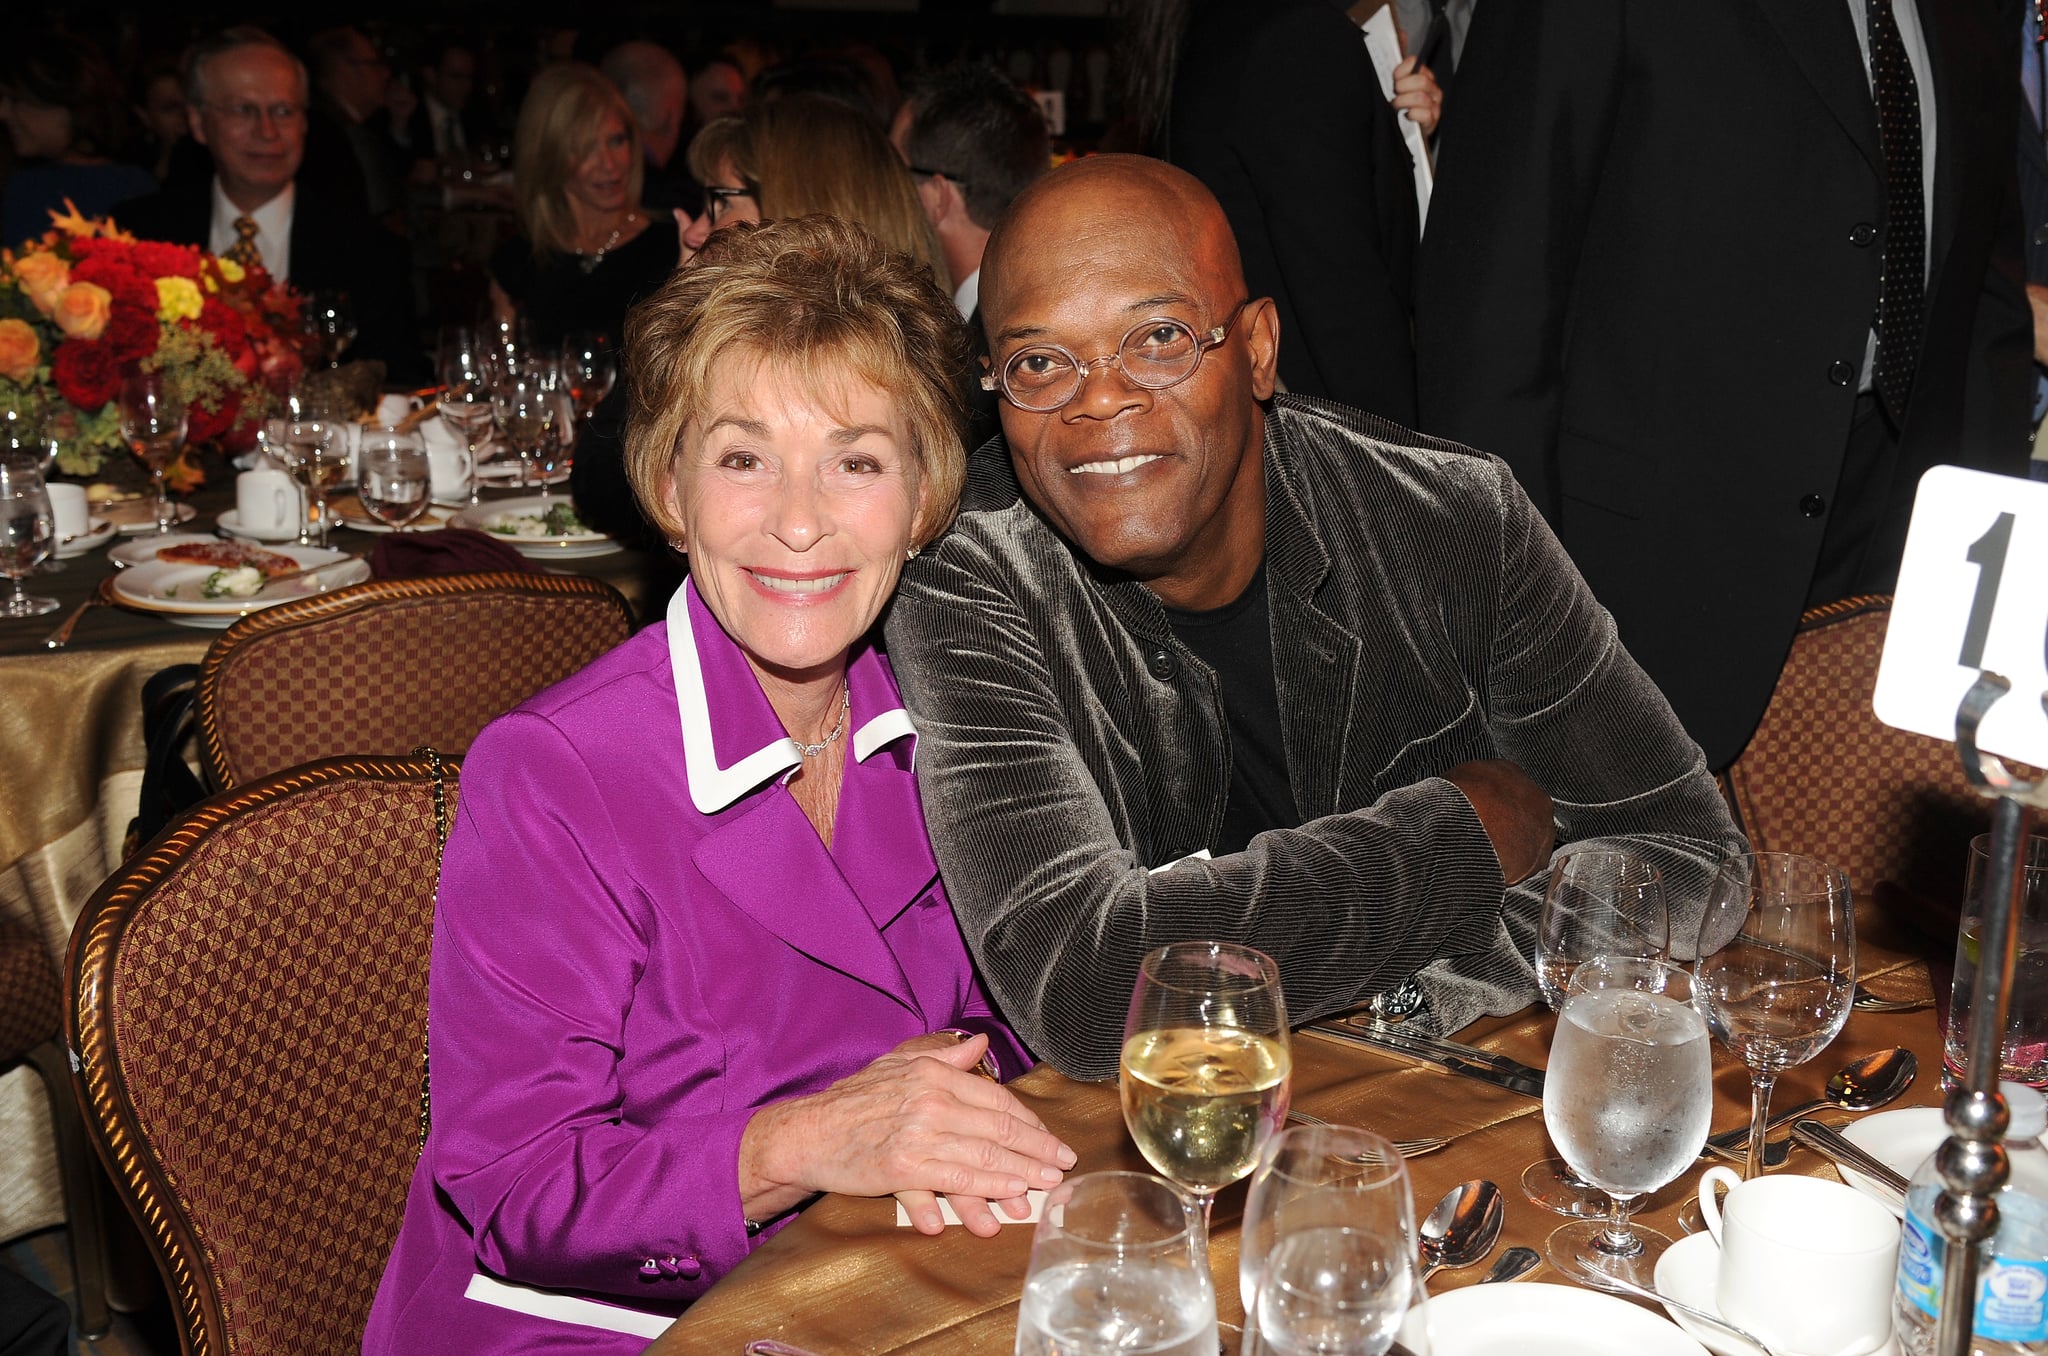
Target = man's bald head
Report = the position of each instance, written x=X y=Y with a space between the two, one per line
x=1133 y=199
x=655 y=88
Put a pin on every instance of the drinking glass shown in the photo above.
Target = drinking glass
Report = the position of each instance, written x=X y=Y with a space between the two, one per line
x=1776 y=968
x=153 y=422
x=1205 y=1062
x=393 y=476
x=591 y=367
x=466 y=408
x=525 y=412
x=2023 y=1051
x=1600 y=902
x=1327 y=1254
x=328 y=320
x=316 y=452
x=27 y=442
x=28 y=533
x=1627 y=1099
x=1119 y=1262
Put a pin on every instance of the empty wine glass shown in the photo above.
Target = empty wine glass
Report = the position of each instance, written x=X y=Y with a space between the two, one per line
x=1627 y=1100
x=393 y=476
x=1327 y=1254
x=153 y=422
x=1776 y=969
x=1205 y=1063
x=591 y=367
x=328 y=320
x=28 y=533
x=1119 y=1262
x=316 y=452
x=525 y=413
x=1599 y=902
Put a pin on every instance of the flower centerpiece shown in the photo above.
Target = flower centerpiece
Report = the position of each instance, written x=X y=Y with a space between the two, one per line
x=88 y=302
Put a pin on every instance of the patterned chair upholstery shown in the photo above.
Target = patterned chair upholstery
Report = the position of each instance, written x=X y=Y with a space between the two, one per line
x=31 y=1033
x=249 y=1006
x=394 y=664
x=1822 y=775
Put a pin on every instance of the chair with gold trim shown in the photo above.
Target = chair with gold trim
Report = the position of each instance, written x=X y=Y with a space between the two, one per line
x=248 y=1005
x=392 y=665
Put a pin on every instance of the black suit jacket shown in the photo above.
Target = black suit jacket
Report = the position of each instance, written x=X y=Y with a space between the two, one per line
x=335 y=247
x=1276 y=108
x=1650 y=272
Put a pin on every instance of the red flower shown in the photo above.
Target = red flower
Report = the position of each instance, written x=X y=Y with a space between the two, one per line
x=129 y=286
x=224 y=323
x=86 y=373
x=204 y=425
x=159 y=259
x=130 y=334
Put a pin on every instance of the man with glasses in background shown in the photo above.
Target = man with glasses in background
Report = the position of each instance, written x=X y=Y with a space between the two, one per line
x=1215 y=664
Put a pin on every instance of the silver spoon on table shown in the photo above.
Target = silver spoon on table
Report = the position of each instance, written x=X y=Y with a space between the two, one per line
x=1462 y=1228
x=1863 y=1084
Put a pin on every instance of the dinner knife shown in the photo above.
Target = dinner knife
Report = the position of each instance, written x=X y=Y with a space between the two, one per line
x=1483 y=1065
x=1831 y=1143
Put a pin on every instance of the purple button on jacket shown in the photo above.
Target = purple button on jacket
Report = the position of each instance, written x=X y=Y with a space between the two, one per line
x=639 y=940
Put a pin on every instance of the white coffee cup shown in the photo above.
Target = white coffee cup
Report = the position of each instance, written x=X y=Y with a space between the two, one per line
x=1806 y=1264
x=267 y=502
x=450 y=467
x=67 y=509
x=393 y=408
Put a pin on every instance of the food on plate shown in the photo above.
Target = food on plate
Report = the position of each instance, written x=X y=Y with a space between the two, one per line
x=228 y=555
x=560 y=520
x=241 y=581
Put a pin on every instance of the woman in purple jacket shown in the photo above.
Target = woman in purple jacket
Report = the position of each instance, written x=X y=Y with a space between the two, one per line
x=692 y=960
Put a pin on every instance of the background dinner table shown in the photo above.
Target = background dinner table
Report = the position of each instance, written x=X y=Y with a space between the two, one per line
x=71 y=758
x=844 y=1279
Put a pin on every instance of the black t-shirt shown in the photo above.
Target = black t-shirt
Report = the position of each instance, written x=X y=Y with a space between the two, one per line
x=1236 y=640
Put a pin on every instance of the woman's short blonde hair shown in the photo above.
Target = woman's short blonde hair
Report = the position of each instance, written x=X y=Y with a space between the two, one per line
x=821 y=299
x=558 y=126
x=805 y=153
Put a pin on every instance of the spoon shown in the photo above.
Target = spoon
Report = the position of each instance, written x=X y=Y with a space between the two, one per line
x=1863 y=1084
x=1513 y=1263
x=1462 y=1228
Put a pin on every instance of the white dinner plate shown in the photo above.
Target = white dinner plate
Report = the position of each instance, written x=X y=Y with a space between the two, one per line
x=1687 y=1272
x=132 y=517
x=97 y=534
x=167 y=587
x=142 y=550
x=1901 y=1140
x=504 y=471
x=349 y=513
x=230 y=522
x=568 y=547
x=1526 y=1318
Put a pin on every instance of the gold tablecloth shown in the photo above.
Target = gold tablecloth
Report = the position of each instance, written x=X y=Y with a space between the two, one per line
x=843 y=1280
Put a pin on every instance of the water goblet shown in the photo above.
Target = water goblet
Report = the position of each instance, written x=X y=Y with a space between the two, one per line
x=1119 y=1262
x=1627 y=1100
x=393 y=476
x=1599 y=902
x=153 y=421
x=28 y=533
x=1326 y=1257
x=1776 y=969
x=28 y=442
x=1205 y=1063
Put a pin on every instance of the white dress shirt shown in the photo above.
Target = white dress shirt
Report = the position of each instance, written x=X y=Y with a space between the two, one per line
x=273 y=229
x=967 y=295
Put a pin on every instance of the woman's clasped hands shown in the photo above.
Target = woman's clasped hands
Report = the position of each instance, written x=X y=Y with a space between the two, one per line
x=917 y=1123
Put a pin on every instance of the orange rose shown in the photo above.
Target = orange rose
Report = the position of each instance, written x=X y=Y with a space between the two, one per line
x=43 y=276
x=19 y=351
x=82 y=310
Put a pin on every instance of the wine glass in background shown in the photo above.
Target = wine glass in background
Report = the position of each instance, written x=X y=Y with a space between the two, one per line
x=1205 y=1062
x=316 y=452
x=27 y=442
x=1327 y=1254
x=467 y=408
x=591 y=367
x=1119 y=1262
x=28 y=533
x=1627 y=1100
x=328 y=320
x=525 y=413
x=1599 y=902
x=1776 y=968
x=153 y=422
x=393 y=476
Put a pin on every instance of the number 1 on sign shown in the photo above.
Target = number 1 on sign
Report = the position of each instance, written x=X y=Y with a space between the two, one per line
x=1987 y=553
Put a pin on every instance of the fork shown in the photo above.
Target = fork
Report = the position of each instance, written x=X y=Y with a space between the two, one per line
x=61 y=637
x=1865 y=1001
x=1407 y=1148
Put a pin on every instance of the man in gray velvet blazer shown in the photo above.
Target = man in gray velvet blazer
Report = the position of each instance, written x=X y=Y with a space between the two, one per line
x=1222 y=665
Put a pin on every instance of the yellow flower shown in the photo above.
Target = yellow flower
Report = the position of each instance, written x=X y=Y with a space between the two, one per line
x=230 y=271
x=178 y=299
x=43 y=276
x=19 y=350
x=82 y=310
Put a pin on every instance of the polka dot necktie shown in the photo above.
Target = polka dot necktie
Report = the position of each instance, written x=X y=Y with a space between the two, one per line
x=244 y=251
x=1902 y=291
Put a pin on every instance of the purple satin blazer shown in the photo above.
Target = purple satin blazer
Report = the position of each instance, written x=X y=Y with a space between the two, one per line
x=639 y=940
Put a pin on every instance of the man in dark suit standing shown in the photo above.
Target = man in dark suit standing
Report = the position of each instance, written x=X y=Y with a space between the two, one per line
x=1717 y=321
x=247 y=104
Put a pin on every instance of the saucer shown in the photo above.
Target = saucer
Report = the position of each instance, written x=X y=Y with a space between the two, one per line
x=230 y=522
x=1901 y=1140
x=98 y=534
x=1529 y=1318
x=1686 y=1273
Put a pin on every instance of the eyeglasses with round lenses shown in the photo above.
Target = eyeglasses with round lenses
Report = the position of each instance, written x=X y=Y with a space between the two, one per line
x=1156 y=354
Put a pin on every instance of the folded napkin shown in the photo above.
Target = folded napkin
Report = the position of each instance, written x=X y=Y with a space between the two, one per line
x=946 y=1212
x=452 y=550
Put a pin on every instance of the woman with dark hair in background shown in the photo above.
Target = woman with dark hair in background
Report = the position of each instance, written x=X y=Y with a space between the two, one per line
x=68 y=121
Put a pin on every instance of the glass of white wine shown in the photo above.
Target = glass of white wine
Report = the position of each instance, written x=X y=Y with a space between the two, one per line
x=1205 y=1062
x=153 y=422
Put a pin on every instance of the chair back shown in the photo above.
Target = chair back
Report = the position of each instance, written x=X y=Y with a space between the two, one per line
x=394 y=664
x=1823 y=776
x=249 y=1011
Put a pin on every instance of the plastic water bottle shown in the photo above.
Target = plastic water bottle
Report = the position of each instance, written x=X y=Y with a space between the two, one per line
x=2012 y=1276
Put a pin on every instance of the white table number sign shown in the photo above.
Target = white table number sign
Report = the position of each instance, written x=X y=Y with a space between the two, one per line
x=1972 y=597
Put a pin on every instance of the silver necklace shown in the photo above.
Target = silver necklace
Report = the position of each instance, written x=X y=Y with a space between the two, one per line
x=589 y=262
x=813 y=750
